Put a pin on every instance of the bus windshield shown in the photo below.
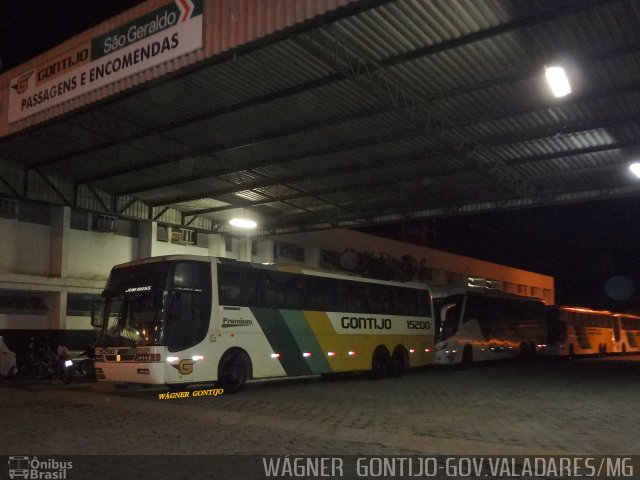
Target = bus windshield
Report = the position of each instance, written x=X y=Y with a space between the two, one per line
x=136 y=319
x=163 y=303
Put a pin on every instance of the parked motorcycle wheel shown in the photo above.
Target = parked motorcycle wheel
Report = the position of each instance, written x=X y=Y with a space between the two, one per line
x=41 y=371
x=67 y=376
x=86 y=368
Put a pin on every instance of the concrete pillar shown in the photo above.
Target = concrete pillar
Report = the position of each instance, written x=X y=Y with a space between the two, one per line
x=59 y=241
x=147 y=234
x=312 y=257
x=245 y=250
x=215 y=243
x=58 y=262
x=265 y=251
x=56 y=302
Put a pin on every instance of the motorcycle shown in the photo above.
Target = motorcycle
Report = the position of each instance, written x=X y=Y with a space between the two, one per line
x=84 y=363
x=64 y=365
x=42 y=363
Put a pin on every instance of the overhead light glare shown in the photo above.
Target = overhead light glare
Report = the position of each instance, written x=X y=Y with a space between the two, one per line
x=635 y=168
x=558 y=81
x=242 y=223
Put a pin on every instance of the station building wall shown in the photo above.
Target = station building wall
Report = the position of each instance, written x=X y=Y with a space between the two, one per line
x=50 y=273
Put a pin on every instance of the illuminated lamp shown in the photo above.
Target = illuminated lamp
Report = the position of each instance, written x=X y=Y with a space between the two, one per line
x=635 y=169
x=558 y=81
x=243 y=223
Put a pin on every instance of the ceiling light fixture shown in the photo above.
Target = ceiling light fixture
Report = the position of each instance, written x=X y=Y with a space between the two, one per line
x=558 y=81
x=635 y=168
x=243 y=223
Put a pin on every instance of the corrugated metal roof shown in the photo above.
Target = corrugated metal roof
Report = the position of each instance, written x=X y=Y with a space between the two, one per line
x=374 y=111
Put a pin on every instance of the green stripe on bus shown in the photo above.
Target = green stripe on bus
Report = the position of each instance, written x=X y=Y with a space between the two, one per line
x=282 y=341
x=306 y=339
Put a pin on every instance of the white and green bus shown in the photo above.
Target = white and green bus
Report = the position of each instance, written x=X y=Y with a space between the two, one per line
x=477 y=325
x=188 y=319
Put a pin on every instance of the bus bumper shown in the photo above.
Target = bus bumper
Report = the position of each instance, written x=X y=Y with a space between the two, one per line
x=148 y=373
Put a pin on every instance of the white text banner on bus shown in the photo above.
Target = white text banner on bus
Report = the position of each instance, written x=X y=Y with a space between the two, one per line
x=356 y=324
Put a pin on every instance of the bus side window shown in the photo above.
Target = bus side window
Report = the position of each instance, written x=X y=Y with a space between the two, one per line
x=272 y=288
x=357 y=299
x=292 y=291
x=380 y=300
x=405 y=301
x=229 y=286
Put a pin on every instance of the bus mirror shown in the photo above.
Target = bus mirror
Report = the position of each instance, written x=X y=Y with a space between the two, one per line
x=96 y=314
x=444 y=310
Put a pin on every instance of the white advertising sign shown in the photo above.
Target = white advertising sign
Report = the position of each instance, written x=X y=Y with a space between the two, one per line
x=165 y=33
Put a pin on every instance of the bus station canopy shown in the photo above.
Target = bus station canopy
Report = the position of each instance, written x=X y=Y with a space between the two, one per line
x=372 y=112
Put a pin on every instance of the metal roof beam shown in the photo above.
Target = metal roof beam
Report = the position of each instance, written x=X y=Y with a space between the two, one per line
x=287 y=180
x=55 y=189
x=520 y=23
x=10 y=187
x=383 y=87
x=99 y=198
x=431 y=211
x=248 y=104
x=245 y=142
x=299 y=156
x=593 y=95
x=379 y=183
x=532 y=71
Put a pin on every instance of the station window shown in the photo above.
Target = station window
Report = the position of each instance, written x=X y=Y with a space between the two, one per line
x=18 y=303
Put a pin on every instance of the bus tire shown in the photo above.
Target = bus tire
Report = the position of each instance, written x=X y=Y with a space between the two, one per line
x=399 y=361
x=525 y=352
x=572 y=351
x=234 y=370
x=380 y=362
x=467 y=358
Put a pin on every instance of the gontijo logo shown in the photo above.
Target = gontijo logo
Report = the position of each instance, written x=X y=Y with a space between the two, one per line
x=22 y=82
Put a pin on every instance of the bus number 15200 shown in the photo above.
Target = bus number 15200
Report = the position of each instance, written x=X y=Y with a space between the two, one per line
x=418 y=324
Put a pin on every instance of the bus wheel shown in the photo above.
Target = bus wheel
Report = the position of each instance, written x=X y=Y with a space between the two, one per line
x=525 y=352
x=399 y=361
x=380 y=362
x=467 y=358
x=572 y=351
x=233 y=371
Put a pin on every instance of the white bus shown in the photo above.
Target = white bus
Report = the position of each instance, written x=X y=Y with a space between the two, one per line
x=583 y=331
x=478 y=325
x=185 y=319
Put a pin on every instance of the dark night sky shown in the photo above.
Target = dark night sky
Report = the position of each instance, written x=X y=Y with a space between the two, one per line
x=590 y=248
x=29 y=27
